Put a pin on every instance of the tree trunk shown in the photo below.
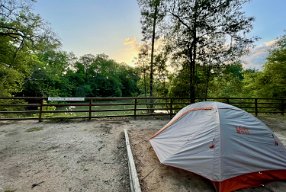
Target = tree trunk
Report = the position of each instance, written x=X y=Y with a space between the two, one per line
x=193 y=71
x=193 y=57
x=145 y=84
x=152 y=49
x=192 y=82
x=208 y=70
x=151 y=106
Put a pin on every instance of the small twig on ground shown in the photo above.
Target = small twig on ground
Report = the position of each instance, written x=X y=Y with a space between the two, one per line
x=36 y=184
x=108 y=163
x=148 y=173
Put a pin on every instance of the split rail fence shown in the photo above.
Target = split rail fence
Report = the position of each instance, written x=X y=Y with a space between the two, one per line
x=42 y=108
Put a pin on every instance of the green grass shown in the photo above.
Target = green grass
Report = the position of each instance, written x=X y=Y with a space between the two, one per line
x=70 y=111
x=9 y=190
x=117 y=106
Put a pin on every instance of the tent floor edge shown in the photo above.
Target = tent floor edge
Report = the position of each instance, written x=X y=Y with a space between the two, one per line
x=249 y=180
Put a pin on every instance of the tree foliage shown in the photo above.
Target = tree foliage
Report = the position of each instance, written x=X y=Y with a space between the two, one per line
x=89 y=76
x=227 y=82
x=204 y=32
x=272 y=80
x=201 y=40
x=22 y=35
x=160 y=72
x=31 y=63
x=151 y=15
x=198 y=33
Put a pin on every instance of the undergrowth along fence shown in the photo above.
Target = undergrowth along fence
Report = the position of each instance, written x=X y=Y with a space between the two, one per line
x=42 y=108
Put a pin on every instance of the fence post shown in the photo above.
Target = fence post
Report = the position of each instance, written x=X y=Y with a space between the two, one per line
x=41 y=109
x=151 y=105
x=89 y=110
x=282 y=106
x=171 y=108
x=256 y=108
x=135 y=107
x=227 y=100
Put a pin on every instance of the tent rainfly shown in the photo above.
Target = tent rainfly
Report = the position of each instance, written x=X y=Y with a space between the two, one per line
x=225 y=144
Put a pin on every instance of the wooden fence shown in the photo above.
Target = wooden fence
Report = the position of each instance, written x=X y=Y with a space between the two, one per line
x=41 y=108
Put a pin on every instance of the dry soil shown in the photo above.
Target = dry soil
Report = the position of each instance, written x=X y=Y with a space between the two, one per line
x=61 y=157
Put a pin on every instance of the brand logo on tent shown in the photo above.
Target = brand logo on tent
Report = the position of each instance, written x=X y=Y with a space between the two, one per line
x=242 y=130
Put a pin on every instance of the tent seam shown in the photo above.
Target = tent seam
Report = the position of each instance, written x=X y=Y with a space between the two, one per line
x=220 y=143
x=173 y=121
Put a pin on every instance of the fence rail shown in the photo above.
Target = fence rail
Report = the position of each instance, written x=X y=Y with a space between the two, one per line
x=41 y=108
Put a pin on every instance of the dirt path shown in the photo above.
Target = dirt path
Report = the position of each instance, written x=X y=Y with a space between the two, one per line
x=156 y=177
x=77 y=156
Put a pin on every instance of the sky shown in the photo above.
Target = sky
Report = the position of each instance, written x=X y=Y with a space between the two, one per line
x=113 y=27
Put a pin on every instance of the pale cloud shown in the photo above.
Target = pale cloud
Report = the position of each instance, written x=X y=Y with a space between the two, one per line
x=256 y=58
x=132 y=43
x=129 y=51
x=270 y=43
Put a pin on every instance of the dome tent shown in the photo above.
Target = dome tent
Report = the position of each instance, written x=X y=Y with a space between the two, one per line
x=222 y=143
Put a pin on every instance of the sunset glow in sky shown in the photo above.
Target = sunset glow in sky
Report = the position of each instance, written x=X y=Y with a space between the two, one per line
x=113 y=26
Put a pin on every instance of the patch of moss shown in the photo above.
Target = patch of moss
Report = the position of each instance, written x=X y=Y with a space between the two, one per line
x=9 y=190
x=34 y=129
x=60 y=120
x=12 y=133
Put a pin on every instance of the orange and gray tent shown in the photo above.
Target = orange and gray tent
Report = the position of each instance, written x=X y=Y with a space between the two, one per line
x=225 y=144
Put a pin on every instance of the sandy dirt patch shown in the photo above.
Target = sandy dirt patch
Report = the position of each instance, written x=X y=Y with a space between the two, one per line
x=61 y=157
x=156 y=177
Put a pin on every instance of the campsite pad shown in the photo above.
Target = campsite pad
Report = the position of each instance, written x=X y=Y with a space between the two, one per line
x=71 y=156
x=156 y=177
